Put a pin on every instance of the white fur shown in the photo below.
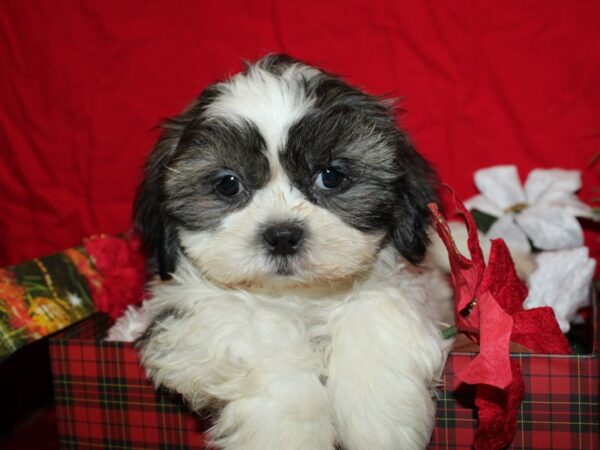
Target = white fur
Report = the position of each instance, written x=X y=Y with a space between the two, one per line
x=131 y=325
x=374 y=341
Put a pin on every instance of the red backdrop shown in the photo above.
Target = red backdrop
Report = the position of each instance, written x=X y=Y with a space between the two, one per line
x=83 y=83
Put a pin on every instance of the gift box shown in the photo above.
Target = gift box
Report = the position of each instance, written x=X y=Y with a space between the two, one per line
x=42 y=296
x=559 y=411
x=103 y=399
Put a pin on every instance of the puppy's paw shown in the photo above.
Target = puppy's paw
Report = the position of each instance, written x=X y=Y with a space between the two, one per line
x=290 y=415
x=383 y=365
x=389 y=430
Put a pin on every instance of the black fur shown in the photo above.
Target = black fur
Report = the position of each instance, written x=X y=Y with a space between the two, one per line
x=388 y=184
x=157 y=230
x=208 y=151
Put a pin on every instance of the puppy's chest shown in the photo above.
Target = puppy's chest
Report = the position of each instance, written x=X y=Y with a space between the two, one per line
x=317 y=321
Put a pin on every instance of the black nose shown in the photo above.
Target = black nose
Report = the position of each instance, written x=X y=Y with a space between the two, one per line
x=283 y=239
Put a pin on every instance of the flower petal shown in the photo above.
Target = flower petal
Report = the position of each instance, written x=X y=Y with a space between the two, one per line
x=556 y=188
x=551 y=229
x=483 y=204
x=501 y=185
x=542 y=181
x=506 y=228
x=562 y=280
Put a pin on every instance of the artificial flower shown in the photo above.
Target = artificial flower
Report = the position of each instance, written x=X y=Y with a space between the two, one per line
x=562 y=280
x=542 y=212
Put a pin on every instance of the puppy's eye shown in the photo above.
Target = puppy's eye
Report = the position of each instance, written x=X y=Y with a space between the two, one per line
x=329 y=178
x=229 y=186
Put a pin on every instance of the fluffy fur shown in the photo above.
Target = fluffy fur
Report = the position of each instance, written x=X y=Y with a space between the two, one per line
x=326 y=338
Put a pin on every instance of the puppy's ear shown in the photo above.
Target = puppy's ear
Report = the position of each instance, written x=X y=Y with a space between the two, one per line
x=156 y=228
x=417 y=186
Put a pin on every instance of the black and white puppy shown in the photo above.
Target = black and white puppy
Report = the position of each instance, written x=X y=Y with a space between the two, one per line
x=285 y=212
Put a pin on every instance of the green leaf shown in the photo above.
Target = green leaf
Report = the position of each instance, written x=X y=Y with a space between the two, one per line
x=483 y=221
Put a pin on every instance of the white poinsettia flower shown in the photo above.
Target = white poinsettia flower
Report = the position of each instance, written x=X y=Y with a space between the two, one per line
x=562 y=280
x=542 y=211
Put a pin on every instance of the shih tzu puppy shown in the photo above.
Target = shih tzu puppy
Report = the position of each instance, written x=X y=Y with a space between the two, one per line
x=285 y=213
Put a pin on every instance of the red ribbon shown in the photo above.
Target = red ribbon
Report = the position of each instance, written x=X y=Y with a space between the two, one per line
x=489 y=311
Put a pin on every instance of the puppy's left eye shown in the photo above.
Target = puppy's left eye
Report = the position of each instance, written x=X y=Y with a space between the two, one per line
x=229 y=186
x=329 y=178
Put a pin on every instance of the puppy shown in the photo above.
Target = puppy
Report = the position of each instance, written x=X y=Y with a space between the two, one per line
x=285 y=213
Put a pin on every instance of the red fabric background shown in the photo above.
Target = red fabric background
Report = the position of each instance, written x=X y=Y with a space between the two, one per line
x=83 y=82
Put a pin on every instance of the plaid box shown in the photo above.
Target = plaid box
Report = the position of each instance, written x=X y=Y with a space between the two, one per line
x=560 y=409
x=104 y=401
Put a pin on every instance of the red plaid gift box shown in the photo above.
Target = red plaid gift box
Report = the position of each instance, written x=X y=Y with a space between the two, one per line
x=560 y=409
x=104 y=401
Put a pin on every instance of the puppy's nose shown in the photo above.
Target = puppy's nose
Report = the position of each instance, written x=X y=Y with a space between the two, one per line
x=283 y=239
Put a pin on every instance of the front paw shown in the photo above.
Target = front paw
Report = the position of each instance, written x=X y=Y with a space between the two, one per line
x=289 y=415
x=408 y=427
x=381 y=371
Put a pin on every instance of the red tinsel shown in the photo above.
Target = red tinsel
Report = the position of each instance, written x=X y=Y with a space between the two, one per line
x=489 y=311
x=121 y=265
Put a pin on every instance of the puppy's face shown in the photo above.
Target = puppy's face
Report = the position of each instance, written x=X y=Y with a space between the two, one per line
x=283 y=175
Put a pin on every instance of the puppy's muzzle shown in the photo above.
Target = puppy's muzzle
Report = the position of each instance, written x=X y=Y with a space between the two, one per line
x=283 y=239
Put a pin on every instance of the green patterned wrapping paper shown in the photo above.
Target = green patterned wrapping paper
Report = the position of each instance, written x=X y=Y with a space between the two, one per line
x=42 y=296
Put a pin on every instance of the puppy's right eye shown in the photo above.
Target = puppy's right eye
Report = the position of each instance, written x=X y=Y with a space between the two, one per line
x=229 y=186
x=329 y=178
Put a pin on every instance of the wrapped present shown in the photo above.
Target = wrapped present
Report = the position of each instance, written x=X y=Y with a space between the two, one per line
x=103 y=399
x=45 y=295
x=42 y=296
x=559 y=410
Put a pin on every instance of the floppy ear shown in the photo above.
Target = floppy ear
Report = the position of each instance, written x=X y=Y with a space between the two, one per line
x=156 y=228
x=416 y=188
